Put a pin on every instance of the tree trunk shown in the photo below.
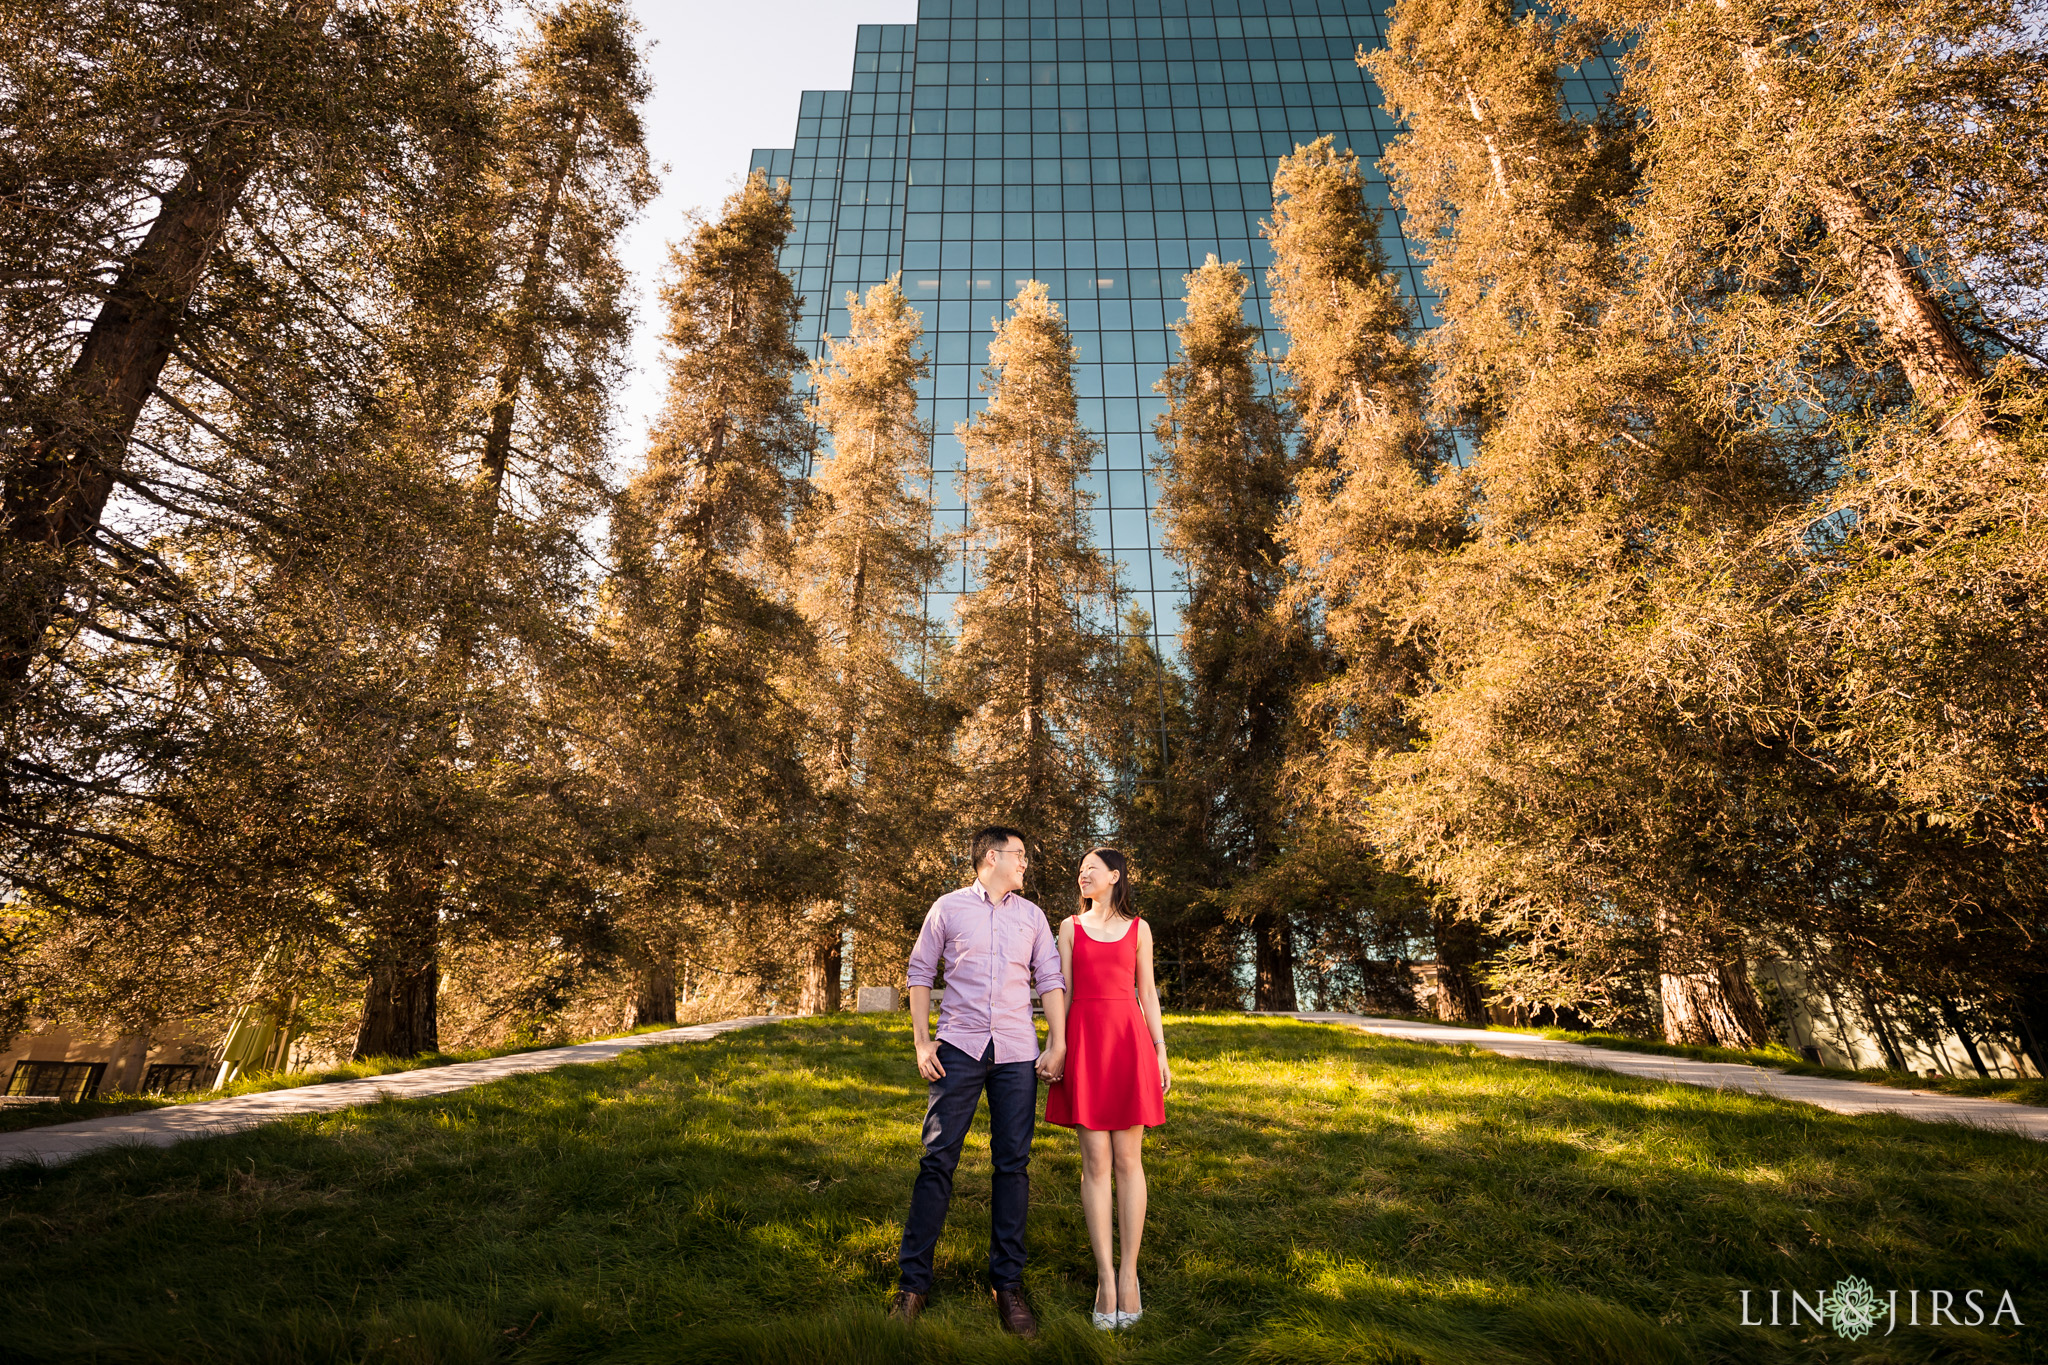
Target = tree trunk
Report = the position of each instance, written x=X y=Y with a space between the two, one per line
x=1500 y=170
x=654 y=999
x=696 y=569
x=400 y=1011
x=1273 y=980
x=54 y=503
x=1894 y=1055
x=1942 y=370
x=1953 y=1017
x=820 y=994
x=1712 y=1006
x=1034 y=697
x=519 y=349
x=2030 y=1044
x=1457 y=996
x=1458 y=951
x=2030 y=1005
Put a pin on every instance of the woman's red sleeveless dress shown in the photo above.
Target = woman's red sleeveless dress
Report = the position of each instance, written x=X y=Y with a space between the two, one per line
x=1112 y=1073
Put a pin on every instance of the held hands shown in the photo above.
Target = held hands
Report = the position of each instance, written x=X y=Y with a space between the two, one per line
x=1052 y=1063
x=928 y=1064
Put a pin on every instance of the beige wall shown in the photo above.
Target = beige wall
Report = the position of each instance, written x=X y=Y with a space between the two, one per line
x=128 y=1059
x=1836 y=1025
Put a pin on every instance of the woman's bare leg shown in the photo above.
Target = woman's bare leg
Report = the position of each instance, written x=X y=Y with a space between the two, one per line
x=1095 y=1201
x=1129 y=1161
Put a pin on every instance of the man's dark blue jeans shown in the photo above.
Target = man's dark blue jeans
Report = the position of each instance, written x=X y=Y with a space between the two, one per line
x=1012 y=1116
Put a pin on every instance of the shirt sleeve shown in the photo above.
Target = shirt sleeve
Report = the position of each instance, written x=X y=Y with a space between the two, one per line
x=924 y=957
x=1045 y=959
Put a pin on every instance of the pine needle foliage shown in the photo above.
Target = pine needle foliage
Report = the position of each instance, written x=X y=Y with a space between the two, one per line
x=1223 y=480
x=1376 y=504
x=1025 y=669
x=1375 y=497
x=1700 y=347
x=1875 y=634
x=865 y=557
x=704 y=730
x=533 y=411
x=1587 y=458
x=236 y=738
x=1893 y=162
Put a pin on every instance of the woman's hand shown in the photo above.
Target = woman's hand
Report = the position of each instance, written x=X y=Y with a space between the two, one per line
x=1165 y=1069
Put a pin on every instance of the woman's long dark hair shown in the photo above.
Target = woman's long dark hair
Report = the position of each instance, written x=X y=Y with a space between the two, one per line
x=1119 y=895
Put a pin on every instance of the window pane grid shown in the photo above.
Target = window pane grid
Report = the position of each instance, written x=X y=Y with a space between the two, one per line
x=1103 y=146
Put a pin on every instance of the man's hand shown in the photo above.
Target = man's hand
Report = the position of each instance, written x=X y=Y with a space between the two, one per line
x=928 y=1064
x=1052 y=1063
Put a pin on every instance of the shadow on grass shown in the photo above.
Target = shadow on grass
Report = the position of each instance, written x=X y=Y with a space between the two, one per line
x=1388 y=1322
x=1317 y=1195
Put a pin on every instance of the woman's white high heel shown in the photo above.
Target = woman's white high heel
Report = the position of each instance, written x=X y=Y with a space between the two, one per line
x=1107 y=1322
x=1127 y=1319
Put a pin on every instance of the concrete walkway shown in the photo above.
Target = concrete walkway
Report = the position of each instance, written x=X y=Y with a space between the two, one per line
x=1844 y=1097
x=60 y=1142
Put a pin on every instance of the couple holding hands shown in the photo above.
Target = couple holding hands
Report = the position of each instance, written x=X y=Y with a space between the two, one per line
x=1105 y=1059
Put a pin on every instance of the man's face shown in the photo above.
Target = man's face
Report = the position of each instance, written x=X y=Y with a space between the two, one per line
x=1003 y=868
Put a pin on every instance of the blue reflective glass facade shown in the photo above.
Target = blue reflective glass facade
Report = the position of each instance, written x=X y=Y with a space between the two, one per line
x=1103 y=146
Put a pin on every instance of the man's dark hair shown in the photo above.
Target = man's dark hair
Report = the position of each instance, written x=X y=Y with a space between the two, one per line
x=995 y=836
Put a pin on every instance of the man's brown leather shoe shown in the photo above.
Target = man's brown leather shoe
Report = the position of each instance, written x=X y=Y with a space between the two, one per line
x=1015 y=1313
x=906 y=1305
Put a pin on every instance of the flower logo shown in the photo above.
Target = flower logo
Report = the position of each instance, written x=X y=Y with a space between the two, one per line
x=1852 y=1307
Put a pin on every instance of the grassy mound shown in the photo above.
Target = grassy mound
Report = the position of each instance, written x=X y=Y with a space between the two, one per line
x=1318 y=1195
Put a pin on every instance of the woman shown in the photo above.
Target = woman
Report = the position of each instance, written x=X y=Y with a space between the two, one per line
x=1114 y=1080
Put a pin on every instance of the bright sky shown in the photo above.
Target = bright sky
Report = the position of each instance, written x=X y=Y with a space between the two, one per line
x=727 y=74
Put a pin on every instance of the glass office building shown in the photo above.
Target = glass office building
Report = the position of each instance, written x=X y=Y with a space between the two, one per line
x=1102 y=146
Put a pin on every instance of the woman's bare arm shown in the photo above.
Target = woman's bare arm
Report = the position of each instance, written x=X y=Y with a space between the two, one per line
x=1148 y=1001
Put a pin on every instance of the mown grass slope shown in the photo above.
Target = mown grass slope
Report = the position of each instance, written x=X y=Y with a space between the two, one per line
x=1317 y=1195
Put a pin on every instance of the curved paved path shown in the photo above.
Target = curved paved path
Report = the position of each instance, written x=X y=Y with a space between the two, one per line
x=1844 y=1097
x=60 y=1142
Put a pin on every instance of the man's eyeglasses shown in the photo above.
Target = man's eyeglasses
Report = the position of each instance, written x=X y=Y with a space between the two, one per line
x=1016 y=853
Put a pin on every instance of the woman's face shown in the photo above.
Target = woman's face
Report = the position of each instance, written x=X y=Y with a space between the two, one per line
x=1096 y=879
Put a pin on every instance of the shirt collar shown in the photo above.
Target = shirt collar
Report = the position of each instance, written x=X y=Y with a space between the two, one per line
x=982 y=892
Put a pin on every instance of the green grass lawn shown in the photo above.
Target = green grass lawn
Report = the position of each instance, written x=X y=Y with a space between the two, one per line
x=1318 y=1195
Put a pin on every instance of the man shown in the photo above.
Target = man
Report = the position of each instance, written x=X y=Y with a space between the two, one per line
x=992 y=942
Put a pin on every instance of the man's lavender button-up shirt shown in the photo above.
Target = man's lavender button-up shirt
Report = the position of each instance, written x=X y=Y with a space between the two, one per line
x=992 y=951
